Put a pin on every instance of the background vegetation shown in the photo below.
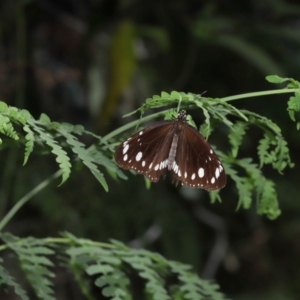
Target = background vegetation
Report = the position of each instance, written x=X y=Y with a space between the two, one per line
x=89 y=63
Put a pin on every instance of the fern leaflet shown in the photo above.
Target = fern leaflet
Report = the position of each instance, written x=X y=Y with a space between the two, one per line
x=7 y=280
x=32 y=254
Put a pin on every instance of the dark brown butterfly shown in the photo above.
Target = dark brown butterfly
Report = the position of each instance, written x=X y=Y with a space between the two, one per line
x=172 y=146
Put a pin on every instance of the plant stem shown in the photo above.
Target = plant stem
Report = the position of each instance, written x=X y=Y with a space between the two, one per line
x=132 y=124
x=26 y=198
x=258 y=94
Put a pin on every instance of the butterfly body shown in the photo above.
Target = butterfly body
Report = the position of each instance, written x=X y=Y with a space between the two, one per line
x=172 y=146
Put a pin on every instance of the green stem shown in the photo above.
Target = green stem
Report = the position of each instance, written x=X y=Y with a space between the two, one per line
x=67 y=241
x=258 y=94
x=132 y=124
x=26 y=198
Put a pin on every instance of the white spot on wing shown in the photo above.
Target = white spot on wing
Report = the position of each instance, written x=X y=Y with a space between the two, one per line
x=150 y=166
x=217 y=173
x=193 y=176
x=139 y=156
x=201 y=172
x=156 y=167
x=213 y=180
x=125 y=157
x=141 y=132
x=125 y=149
x=163 y=164
x=185 y=174
x=143 y=163
x=210 y=151
x=175 y=167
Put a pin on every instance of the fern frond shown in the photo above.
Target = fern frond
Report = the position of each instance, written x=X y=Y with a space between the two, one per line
x=7 y=280
x=111 y=265
x=101 y=159
x=262 y=122
x=82 y=153
x=30 y=139
x=273 y=149
x=61 y=155
x=265 y=156
x=144 y=267
x=32 y=254
x=192 y=287
x=205 y=128
x=7 y=128
x=101 y=262
x=268 y=203
x=266 y=198
x=243 y=184
x=294 y=108
x=236 y=136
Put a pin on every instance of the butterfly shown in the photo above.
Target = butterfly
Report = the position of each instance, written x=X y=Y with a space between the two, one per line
x=172 y=146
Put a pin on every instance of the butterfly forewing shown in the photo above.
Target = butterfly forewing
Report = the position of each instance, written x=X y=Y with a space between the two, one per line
x=146 y=151
x=174 y=146
x=198 y=165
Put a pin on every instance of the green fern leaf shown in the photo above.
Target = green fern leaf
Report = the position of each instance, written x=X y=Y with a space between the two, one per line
x=102 y=159
x=79 y=149
x=192 y=287
x=268 y=204
x=294 y=108
x=281 y=154
x=31 y=254
x=265 y=157
x=61 y=155
x=7 y=128
x=108 y=265
x=236 y=136
x=7 y=280
x=215 y=196
x=243 y=185
x=266 y=199
x=276 y=79
x=261 y=121
x=274 y=150
x=29 y=143
x=101 y=262
x=205 y=128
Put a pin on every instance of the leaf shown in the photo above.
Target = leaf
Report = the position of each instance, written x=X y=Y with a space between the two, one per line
x=31 y=254
x=236 y=135
x=6 y=279
x=6 y=128
x=82 y=153
x=61 y=155
x=294 y=108
x=276 y=79
x=29 y=143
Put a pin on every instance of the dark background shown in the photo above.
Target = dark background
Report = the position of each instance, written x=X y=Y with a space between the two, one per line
x=90 y=62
